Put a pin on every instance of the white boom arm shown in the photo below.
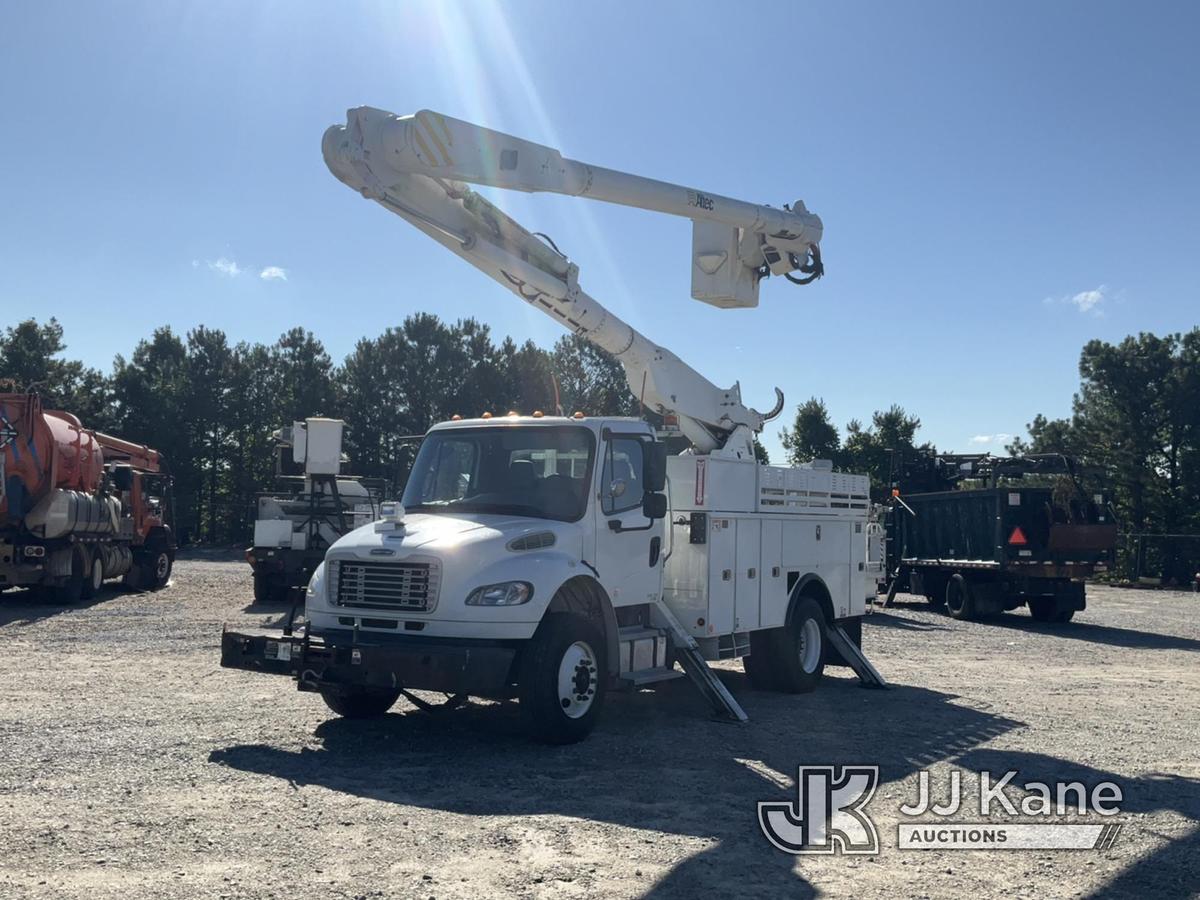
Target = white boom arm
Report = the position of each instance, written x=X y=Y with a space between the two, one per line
x=416 y=166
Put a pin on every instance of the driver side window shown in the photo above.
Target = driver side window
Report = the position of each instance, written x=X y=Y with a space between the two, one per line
x=621 y=483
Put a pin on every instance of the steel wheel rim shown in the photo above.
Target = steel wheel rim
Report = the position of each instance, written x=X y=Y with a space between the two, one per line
x=97 y=574
x=163 y=566
x=809 y=648
x=577 y=680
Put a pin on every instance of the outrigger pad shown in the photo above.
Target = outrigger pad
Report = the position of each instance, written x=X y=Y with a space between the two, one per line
x=853 y=655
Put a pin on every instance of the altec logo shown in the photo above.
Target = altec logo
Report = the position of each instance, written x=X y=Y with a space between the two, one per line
x=828 y=815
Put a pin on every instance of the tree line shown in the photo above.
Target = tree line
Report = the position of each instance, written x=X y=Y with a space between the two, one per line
x=211 y=406
x=1134 y=430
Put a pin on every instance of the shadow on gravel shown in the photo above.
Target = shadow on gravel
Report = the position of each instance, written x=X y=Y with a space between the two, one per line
x=889 y=621
x=1171 y=871
x=656 y=762
x=23 y=606
x=1097 y=634
x=1020 y=620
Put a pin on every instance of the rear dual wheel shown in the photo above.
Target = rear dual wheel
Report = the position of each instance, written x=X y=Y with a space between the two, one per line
x=1045 y=609
x=71 y=590
x=95 y=576
x=790 y=658
x=960 y=599
x=269 y=588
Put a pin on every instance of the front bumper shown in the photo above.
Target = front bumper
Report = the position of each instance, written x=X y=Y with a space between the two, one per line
x=337 y=657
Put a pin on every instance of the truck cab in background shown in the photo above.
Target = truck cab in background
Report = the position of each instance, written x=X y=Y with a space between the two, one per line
x=554 y=559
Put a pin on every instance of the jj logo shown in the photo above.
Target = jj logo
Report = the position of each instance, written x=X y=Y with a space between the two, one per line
x=828 y=814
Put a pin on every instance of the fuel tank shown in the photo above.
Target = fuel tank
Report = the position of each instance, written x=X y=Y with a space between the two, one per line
x=62 y=512
x=42 y=451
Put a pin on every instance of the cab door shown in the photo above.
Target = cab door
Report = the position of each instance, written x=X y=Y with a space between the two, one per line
x=629 y=547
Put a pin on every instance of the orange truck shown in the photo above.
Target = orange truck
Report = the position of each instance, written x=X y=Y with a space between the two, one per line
x=78 y=507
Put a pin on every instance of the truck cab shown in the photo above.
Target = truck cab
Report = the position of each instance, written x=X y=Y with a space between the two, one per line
x=498 y=514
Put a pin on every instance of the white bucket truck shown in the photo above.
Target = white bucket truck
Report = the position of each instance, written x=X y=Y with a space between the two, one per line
x=552 y=558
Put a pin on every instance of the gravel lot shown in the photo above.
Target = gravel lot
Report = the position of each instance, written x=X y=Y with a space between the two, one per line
x=132 y=766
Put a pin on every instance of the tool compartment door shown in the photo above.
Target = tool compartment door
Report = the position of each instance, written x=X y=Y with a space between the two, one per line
x=834 y=568
x=722 y=569
x=772 y=583
x=749 y=575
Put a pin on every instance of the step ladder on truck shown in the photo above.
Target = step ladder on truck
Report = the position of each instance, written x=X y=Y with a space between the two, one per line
x=555 y=558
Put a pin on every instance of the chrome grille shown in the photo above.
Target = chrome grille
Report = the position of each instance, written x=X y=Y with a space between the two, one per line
x=377 y=585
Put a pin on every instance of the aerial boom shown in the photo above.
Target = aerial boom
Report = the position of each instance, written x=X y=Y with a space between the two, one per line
x=418 y=167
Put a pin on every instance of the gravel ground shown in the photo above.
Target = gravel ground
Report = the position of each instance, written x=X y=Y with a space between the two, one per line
x=132 y=766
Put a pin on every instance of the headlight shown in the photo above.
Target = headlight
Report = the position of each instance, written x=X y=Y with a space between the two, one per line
x=507 y=593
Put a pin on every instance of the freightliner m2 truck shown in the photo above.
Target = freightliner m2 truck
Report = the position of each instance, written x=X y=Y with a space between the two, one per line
x=553 y=559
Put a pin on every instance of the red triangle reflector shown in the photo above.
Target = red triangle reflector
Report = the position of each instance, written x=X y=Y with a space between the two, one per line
x=1017 y=537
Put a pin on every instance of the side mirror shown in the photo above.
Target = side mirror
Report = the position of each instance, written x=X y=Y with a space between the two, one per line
x=654 y=467
x=654 y=505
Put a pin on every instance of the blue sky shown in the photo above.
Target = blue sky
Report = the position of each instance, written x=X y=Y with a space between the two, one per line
x=999 y=183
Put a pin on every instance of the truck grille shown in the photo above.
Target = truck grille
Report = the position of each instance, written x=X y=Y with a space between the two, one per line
x=406 y=586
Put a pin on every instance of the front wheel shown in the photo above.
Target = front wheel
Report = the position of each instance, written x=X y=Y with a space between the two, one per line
x=158 y=570
x=562 y=679
x=359 y=702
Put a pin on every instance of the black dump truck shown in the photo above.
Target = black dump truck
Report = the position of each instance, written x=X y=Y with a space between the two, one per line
x=981 y=534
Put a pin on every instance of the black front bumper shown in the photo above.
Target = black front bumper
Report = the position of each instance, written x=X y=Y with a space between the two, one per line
x=455 y=666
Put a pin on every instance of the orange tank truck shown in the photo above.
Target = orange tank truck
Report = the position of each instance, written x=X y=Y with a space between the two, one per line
x=78 y=507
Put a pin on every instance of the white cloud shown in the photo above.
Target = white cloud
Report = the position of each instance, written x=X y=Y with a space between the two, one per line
x=225 y=266
x=1085 y=301
x=273 y=273
x=998 y=438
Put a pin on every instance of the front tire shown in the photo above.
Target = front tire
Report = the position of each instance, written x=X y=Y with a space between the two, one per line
x=158 y=570
x=562 y=679
x=359 y=702
x=798 y=649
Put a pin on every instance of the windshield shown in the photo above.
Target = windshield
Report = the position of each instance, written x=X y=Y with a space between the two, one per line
x=542 y=472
